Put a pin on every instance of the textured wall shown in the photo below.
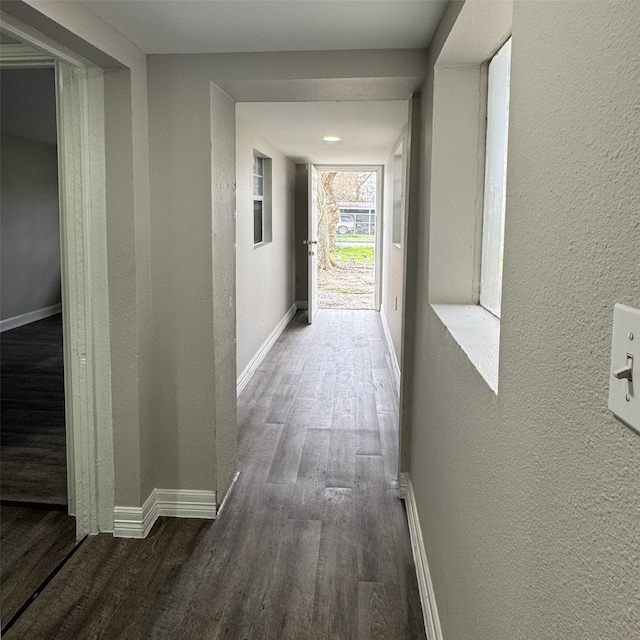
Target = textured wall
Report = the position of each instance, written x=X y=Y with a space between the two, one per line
x=182 y=239
x=530 y=500
x=264 y=276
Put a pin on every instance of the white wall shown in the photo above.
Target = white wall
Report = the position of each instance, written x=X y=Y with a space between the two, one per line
x=265 y=275
x=529 y=500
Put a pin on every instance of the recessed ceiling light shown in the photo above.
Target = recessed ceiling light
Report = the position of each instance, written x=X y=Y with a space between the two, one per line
x=331 y=139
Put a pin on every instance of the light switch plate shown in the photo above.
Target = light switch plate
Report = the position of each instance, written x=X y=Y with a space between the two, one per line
x=624 y=394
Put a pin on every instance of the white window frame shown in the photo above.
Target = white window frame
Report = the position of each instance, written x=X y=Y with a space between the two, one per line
x=495 y=179
x=399 y=189
x=264 y=198
x=458 y=140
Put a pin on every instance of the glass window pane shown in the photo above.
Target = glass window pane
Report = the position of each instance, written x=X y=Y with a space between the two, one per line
x=257 y=165
x=495 y=180
x=257 y=221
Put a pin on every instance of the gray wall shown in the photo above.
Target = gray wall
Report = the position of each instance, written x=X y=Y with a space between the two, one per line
x=193 y=233
x=529 y=499
x=29 y=212
x=264 y=275
x=29 y=226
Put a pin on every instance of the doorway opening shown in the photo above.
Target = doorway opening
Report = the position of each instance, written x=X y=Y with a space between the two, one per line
x=37 y=529
x=347 y=212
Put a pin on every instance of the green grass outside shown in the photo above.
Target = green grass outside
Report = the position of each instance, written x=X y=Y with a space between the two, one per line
x=361 y=256
x=354 y=291
x=354 y=236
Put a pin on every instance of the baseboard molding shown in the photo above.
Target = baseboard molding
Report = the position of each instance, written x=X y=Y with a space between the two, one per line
x=425 y=586
x=28 y=318
x=393 y=361
x=136 y=522
x=303 y=305
x=260 y=355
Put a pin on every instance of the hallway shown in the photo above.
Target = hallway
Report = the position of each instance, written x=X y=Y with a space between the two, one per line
x=313 y=542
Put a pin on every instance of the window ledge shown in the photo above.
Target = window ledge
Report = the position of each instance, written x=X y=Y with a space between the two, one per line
x=477 y=331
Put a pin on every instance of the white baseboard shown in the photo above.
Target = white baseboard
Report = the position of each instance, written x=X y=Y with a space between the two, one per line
x=136 y=522
x=395 y=367
x=28 y=318
x=303 y=305
x=425 y=586
x=260 y=355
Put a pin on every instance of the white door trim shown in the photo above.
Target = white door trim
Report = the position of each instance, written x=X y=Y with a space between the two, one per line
x=379 y=217
x=85 y=310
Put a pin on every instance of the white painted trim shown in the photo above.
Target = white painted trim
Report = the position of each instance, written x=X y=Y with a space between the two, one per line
x=379 y=235
x=47 y=46
x=182 y=503
x=23 y=55
x=393 y=360
x=425 y=585
x=262 y=352
x=87 y=364
x=137 y=522
x=28 y=318
x=302 y=305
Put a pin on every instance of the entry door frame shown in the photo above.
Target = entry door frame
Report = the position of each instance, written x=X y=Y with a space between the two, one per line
x=83 y=248
x=312 y=243
x=379 y=233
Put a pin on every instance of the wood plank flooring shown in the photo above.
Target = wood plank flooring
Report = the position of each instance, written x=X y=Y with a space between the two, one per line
x=313 y=542
x=34 y=541
x=32 y=418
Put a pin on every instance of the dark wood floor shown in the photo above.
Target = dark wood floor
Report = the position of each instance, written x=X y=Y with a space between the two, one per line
x=32 y=419
x=34 y=539
x=34 y=542
x=313 y=542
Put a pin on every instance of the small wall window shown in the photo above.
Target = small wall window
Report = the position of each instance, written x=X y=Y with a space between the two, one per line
x=495 y=180
x=261 y=199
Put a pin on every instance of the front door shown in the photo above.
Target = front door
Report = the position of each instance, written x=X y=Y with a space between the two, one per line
x=312 y=241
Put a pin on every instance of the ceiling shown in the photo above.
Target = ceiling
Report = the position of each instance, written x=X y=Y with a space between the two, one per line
x=231 y=26
x=368 y=130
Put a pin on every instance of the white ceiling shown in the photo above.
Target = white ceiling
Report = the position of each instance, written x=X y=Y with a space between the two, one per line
x=230 y=26
x=368 y=130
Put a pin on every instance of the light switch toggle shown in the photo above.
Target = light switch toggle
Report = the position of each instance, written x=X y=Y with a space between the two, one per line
x=625 y=373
